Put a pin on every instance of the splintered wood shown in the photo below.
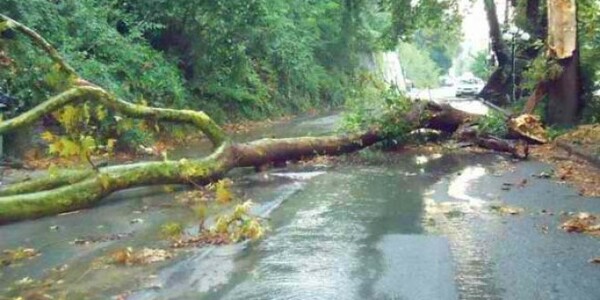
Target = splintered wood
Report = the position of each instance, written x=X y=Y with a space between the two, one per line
x=562 y=27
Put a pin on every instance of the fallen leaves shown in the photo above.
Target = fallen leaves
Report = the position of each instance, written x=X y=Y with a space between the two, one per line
x=86 y=240
x=584 y=135
x=129 y=257
x=193 y=197
x=506 y=186
x=506 y=209
x=582 y=223
x=320 y=161
x=238 y=225
x=10 y=257
x=569 y=168
x=221 y=192
x=49 y=287
x=544 y=175
x=202 y=240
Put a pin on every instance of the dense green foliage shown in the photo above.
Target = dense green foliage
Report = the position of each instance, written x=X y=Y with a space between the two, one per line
x=418 y=66
x=441 y=44
x=373 y=105
x=253 y=57
x=493 y=123
x=231 y=58
x=238 y=58
x=480 y=66
x=85 y=34
x=589 y=43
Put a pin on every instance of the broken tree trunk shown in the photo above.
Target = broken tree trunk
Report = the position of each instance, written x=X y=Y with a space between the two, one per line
x=76 y=189
x=564 y=102
x=535 y=98
x=86 y=188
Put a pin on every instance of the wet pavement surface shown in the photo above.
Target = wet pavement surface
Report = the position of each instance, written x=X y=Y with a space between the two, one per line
x=401 y=225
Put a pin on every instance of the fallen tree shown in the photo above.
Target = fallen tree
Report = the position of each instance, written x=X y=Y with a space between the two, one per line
x=70 y=190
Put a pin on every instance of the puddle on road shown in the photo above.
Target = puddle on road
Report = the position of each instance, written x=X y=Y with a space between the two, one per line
x=467 y=179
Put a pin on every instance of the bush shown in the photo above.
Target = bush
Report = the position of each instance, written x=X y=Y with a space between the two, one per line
x=494 y=123
x=373 y=105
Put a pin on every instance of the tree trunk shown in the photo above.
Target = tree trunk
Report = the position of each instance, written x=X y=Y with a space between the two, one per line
x=76 y=189
x=82 y=189
x=564 y=91
x=496 y=88
x=564 y=102
x=537 y=25
x=537 y=96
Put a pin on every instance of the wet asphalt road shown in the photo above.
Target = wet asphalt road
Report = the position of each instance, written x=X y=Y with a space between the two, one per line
x=406 y=225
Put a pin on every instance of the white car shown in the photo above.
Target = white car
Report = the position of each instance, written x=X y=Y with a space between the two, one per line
x=468 y=87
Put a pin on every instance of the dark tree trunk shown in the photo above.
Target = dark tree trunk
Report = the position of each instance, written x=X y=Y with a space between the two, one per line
x=533 y=13
x=564 y=102
x=538 y=94
x=496 y=88
x=495 y=35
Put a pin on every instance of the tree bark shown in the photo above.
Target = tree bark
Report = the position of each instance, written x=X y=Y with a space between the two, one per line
x=535 y=98
x=77 y=189
x=84 y=189
x=496 y=87
x=536 y=22
x=564 y=102
x=495 y=35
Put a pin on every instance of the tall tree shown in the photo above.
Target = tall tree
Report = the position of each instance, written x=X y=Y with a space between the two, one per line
x=496 y=89
x=564 y=102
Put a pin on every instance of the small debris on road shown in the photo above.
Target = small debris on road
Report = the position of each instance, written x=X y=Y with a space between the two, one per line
x=544 y=175
x=10 y=257
x=128 y=256
x=506 y=210
x=582 y=223
x=86 y=240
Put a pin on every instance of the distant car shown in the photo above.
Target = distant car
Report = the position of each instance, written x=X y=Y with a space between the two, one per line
x=468 y=87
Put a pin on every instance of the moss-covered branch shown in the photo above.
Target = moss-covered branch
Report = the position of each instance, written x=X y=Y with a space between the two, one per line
x=63 y=193
x=88 y=92
x=61 y=178
x=40 y=42
x=91 y=93
x=91 y=188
